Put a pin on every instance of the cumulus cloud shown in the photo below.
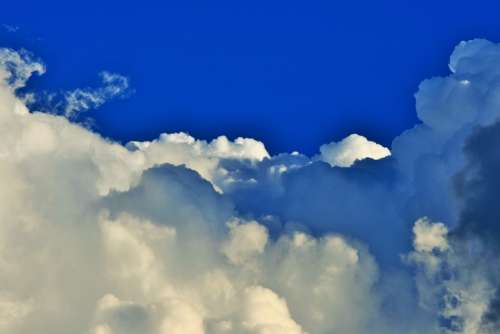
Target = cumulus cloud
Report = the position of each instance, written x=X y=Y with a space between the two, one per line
x=453 y=281
x=200 y=155
x=429 y=236
x=245 y=242
x=180 y=235
x=351 y=149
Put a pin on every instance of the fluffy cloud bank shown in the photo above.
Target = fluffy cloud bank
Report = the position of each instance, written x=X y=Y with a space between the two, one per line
x=182 y=236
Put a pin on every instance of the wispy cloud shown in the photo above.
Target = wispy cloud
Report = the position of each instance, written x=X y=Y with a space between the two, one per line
x=73 y=103
x=10 y=28
x=112 y=85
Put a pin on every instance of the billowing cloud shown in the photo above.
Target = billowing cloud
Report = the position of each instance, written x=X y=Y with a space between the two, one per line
x=351 y=149
x=179 y=235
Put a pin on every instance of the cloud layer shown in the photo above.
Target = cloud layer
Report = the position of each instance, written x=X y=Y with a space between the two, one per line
x=185 y=236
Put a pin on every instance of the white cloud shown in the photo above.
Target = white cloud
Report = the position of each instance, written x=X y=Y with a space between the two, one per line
x=102 y=238
x=245 y=242
x=351 y=149
x=17 y=67
x=429 y=236
x=451 y=283
x=78 y=100
x=199 y=155
x=265 y=313
x=72 y=103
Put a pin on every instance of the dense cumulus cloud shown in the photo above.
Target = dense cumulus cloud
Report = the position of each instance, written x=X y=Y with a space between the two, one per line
x=186 y=236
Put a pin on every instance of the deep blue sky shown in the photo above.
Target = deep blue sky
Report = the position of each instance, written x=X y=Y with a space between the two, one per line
x=294 y=74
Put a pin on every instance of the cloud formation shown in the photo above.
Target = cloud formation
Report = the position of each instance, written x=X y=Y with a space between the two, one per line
x=179 y=235
x=351 y=149
x=73 y=102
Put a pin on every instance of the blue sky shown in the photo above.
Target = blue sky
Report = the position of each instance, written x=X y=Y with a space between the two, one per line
x=293 y=74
